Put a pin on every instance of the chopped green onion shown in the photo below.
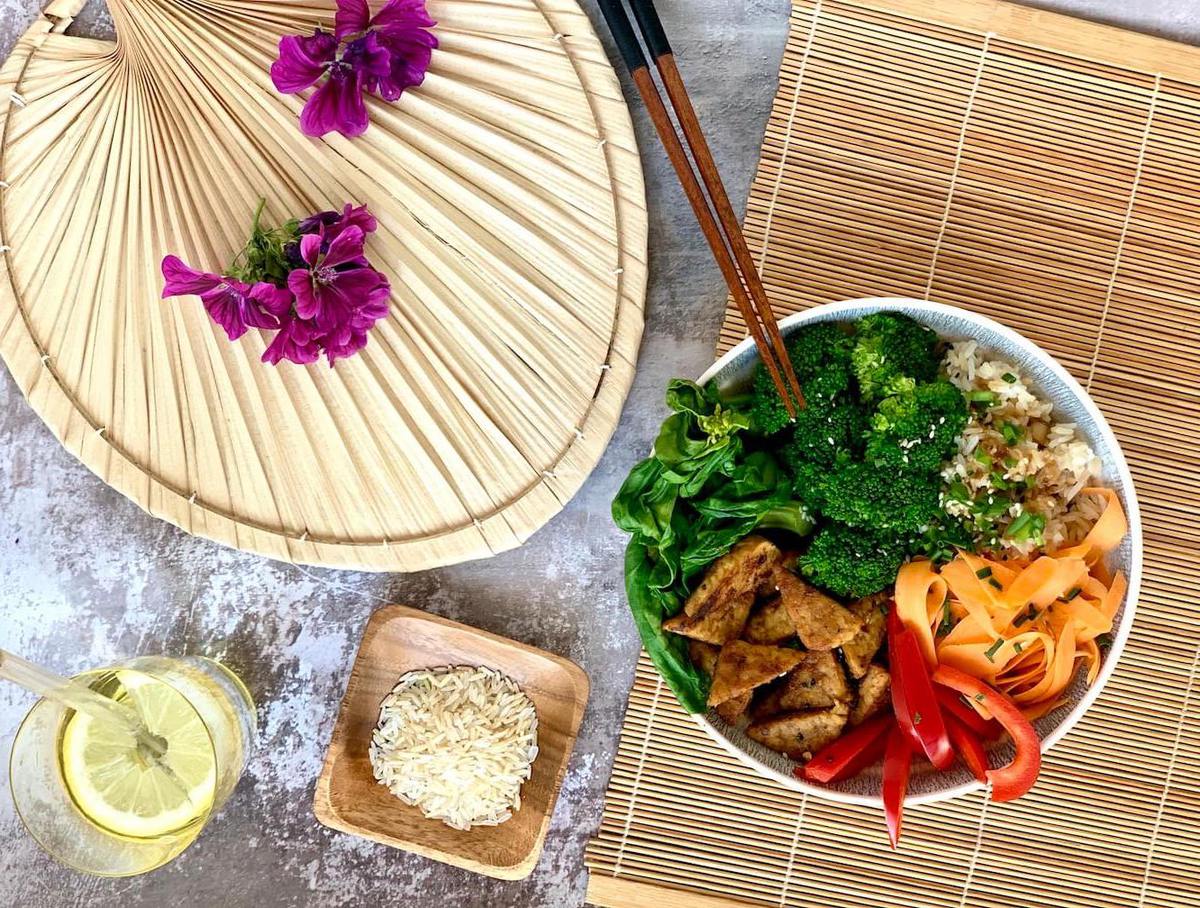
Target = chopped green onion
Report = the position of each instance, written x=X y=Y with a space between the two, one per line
x=1012 y=433
x=1072 y=593
x=947 y=622
x=983 y=457
x=996 y=583
x=916 y=718
x=993 y=649
x=996 y=507
x=999 y=482
x=979 y=698
x=1009 y=377
x=1029 y=615
x=1104 y=641
x=984 y=573
x=987 y=398
x=1010 y=462
x=1017 y=647
x=1020 y=528
x=958 y=492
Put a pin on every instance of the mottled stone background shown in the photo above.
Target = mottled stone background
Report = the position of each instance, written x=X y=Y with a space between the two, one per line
x=86 y=577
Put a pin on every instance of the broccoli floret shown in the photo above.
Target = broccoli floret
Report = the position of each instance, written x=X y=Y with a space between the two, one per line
x=876 y=497
x=824 y=435
x=853 y=562
x=818 y=346
x=808 y=484
x=919 y=428
x=768 y=415
x=891 y=353
x=820 y=355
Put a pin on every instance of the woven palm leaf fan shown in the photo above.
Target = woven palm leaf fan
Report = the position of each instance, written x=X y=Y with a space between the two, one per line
x=512 y=228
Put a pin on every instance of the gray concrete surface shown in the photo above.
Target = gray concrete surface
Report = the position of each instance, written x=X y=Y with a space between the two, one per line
x=86 y=577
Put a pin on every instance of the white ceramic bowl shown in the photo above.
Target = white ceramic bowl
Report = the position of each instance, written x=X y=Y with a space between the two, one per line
x=1071 y=404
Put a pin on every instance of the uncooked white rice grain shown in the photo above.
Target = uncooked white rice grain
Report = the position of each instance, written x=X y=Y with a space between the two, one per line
x=457 y=743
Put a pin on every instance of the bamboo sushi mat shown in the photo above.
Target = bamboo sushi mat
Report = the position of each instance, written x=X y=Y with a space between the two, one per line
x=1044 y=171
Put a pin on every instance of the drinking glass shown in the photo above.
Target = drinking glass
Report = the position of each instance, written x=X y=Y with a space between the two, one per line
x=101 y=803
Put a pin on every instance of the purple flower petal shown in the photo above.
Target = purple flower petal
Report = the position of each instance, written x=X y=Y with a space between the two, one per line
x=300 y=282
x=369 y=59
x=332 y=223
x=346 y=247
x=402 y=15
x=317 y=223
x=310 y=247
x=345 y=348
x=374 y=305
x=295 y=342
x=302 y=60
x=227 y=304
x=353 y=16
x=407 y=71
x=276 y=302
x=358 y=216
x=402 y=27
x=181 y=280
x=336 y=106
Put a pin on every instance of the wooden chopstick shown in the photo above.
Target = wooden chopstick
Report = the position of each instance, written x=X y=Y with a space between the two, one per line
x=664 y=59
x=631 y=52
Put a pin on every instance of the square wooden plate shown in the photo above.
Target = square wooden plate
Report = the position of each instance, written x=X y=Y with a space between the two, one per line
x=400 y=639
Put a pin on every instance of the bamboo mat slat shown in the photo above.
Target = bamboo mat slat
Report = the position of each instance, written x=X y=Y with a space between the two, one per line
x=1044 y=171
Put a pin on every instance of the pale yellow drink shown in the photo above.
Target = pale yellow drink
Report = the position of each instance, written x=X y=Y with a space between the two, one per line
x=99 y=802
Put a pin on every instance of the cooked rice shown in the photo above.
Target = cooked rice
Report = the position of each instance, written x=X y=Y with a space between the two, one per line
x=458 y=743
x=1050 y=458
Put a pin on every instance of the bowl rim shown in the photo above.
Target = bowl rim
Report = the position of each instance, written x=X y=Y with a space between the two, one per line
x=1121 y=635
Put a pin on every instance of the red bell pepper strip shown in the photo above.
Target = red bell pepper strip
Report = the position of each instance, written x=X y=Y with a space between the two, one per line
x=952 y=703
x=917 y=709
x=897 y=761
x=849 y=754
x=969 y=747
x=1013 y=780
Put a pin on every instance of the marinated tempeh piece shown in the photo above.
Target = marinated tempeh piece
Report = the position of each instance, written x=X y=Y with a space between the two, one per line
x=859 y=651
x=747 y=565
x=769 y=623
x=704 y=656
x=822 y=622
x=816 y=682
x=874 y=693
x=719 y=622
x=731 y=710
x=742 y=666
x=800 y=734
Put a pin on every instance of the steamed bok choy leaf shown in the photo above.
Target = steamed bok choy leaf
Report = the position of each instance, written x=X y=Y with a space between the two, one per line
x=704 y=488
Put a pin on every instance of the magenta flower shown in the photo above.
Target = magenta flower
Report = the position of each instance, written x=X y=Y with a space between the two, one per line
x=384 y=54
x=234 y=305
x=338 y=291
x=309 y=280
x=401 y=27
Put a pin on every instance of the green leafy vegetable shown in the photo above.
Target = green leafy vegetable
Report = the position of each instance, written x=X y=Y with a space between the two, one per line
x=686 y=506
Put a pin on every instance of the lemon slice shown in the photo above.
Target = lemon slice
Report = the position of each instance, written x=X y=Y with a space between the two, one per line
x=133 y=794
